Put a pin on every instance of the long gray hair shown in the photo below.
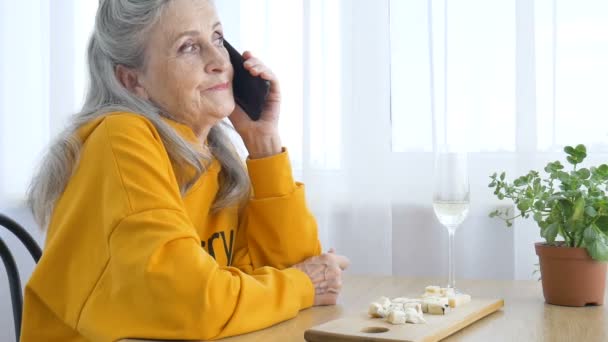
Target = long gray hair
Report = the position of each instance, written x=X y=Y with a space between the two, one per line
x=119 y=37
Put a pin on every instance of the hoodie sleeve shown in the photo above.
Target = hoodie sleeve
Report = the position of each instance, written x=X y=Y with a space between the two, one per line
x=158 y=282
x=280 y=230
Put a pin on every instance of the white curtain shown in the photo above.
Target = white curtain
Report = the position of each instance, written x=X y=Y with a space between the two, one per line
x=371 y=87
x=335 y=118
x=513 y=81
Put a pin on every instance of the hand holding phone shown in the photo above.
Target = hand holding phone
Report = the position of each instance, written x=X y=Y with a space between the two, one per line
x=249 y=91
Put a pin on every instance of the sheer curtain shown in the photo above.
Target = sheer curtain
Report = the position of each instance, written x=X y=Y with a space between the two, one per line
x=513 y=82
x=335 y=114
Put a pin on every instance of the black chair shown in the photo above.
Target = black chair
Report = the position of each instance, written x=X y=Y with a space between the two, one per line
x=14 y=282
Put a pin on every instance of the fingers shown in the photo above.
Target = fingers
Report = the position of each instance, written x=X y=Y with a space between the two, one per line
x=325 y=272
x=342 y=261
x=333 y=259
x=328 y=298
x=247 y=54
x=257 y=68
x=331 y=285
x=331 y=281
x=319 y=272
x=315 y=271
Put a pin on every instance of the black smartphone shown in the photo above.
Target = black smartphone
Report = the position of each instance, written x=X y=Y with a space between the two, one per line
x=249 y=91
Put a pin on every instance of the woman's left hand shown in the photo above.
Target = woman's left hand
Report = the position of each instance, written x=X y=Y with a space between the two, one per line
x=261 y=137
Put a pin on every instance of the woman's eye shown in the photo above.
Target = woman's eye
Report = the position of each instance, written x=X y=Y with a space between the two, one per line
x=188 y=48
x=220 y=41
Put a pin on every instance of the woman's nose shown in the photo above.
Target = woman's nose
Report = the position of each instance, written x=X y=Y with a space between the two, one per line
x=216 y=60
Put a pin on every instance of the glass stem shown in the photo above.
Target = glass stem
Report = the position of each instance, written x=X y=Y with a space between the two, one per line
x=451 y=263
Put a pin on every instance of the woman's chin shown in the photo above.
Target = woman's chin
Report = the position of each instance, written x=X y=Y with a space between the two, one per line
x=223 y=111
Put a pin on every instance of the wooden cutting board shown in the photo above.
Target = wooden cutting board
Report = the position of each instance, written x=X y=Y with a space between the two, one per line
x=361 y=327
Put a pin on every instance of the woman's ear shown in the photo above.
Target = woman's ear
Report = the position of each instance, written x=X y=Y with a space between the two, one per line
x=129 y=79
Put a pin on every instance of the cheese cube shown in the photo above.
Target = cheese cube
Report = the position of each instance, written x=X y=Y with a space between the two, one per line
x=459 y=299
x=377 y=310
x=433 y=289
x=396 y=317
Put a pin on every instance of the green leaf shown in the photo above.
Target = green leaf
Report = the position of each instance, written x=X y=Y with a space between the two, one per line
x=590 y=235
x=583 y=173
x=572 y=160
x=519 y=181
x=538 y=217
x=491 y=185
x=564 y=177
x=602 y=223
x=566 y=208
x=502 y=176
x=598 y=249
x=523 y=205
x=550 y=233
x=536 y=185
x=579 y=207
x=590 y=211
x=539 y=205
x=581 y=149
x=569 y=150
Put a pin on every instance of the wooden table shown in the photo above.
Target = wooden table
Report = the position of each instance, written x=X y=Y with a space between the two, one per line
x=525 y=316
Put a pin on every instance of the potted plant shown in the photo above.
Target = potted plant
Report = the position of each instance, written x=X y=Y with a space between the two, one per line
x=571 y=209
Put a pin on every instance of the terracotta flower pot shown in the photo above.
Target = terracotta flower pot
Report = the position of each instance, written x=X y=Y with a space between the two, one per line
x=570 y=276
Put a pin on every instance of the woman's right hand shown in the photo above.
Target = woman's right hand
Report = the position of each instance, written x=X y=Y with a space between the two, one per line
x=325 y=272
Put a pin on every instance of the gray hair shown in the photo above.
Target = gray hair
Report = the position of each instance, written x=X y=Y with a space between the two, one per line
x=119 y=37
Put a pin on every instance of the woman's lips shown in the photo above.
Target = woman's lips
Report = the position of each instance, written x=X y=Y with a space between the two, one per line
x=219 y=87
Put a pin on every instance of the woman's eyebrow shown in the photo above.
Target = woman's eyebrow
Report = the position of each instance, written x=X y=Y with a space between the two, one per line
x=194 y=32
x=187 y=33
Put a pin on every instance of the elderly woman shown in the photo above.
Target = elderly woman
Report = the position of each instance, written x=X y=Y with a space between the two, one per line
x=155 y=227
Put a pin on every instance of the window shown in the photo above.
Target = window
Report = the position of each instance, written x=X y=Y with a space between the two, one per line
x=300 y=41
x=453 y=74
x=571 y=73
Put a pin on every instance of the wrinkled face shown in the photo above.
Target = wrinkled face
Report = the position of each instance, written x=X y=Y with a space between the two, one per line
x=188 y=72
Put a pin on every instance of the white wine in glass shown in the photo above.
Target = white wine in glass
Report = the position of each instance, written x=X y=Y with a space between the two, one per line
x=451 y=198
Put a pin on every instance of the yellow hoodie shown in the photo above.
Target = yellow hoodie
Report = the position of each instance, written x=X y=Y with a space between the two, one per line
x=127 y=255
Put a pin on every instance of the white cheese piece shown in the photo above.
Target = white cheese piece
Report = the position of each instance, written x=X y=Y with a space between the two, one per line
x=459 y=300
x=396 y=306
x=437 y=309
x=436 y=300
x=433 y=289
x=405 y=300
x=413 y=316
x=416 y=306
x=384 y=301
x=435 y=305
x=377 y=310
x=396 y=317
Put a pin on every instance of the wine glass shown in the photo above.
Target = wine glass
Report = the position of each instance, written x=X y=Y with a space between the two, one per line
x=451 y=198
